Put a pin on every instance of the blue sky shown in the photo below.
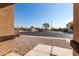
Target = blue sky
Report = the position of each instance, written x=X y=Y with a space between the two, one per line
x=30 y=14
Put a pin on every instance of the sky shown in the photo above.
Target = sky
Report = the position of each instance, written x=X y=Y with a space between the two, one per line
x=35 y=14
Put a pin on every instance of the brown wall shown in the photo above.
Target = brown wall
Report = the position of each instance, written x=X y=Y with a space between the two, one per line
x=6 y=19
x=6 y=28
x=75 y=43
x=76 y=22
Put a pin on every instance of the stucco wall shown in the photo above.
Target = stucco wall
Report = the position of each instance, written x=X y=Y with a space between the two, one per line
x=6 y=28
x=76 y=22
x=6 y=19
x=75 y=42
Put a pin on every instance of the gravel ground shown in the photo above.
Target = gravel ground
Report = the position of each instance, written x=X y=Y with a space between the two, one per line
x=24 y=44
x=6 y=47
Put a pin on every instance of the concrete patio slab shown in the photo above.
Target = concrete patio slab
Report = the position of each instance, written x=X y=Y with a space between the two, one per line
x=36 y=53
x=43 y=48
x=40 y=50
x=12 y=54
x=68 y=41
x=62 y=51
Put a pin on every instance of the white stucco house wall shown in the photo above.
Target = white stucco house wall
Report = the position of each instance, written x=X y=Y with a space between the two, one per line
x=68 y=26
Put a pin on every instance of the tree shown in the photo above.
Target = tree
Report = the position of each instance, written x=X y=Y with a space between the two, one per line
x=71 y=26
x=46 y=26
x=32 y=27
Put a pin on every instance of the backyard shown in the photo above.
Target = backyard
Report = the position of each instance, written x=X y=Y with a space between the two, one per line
x=26 y=43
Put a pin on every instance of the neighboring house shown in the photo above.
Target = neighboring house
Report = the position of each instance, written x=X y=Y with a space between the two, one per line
x=33 y=29
x=69 y=27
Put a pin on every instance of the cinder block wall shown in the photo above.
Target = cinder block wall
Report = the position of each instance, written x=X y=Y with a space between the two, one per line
x=6 y=19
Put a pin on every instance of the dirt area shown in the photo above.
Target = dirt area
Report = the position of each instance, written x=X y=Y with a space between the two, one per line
x=6 y=47
x=24 y=44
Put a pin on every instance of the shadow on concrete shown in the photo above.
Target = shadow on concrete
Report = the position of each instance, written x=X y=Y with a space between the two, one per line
x=52 y=55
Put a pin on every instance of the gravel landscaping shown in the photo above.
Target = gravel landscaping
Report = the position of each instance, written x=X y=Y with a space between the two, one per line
x=24 y=44
x=6 y=47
